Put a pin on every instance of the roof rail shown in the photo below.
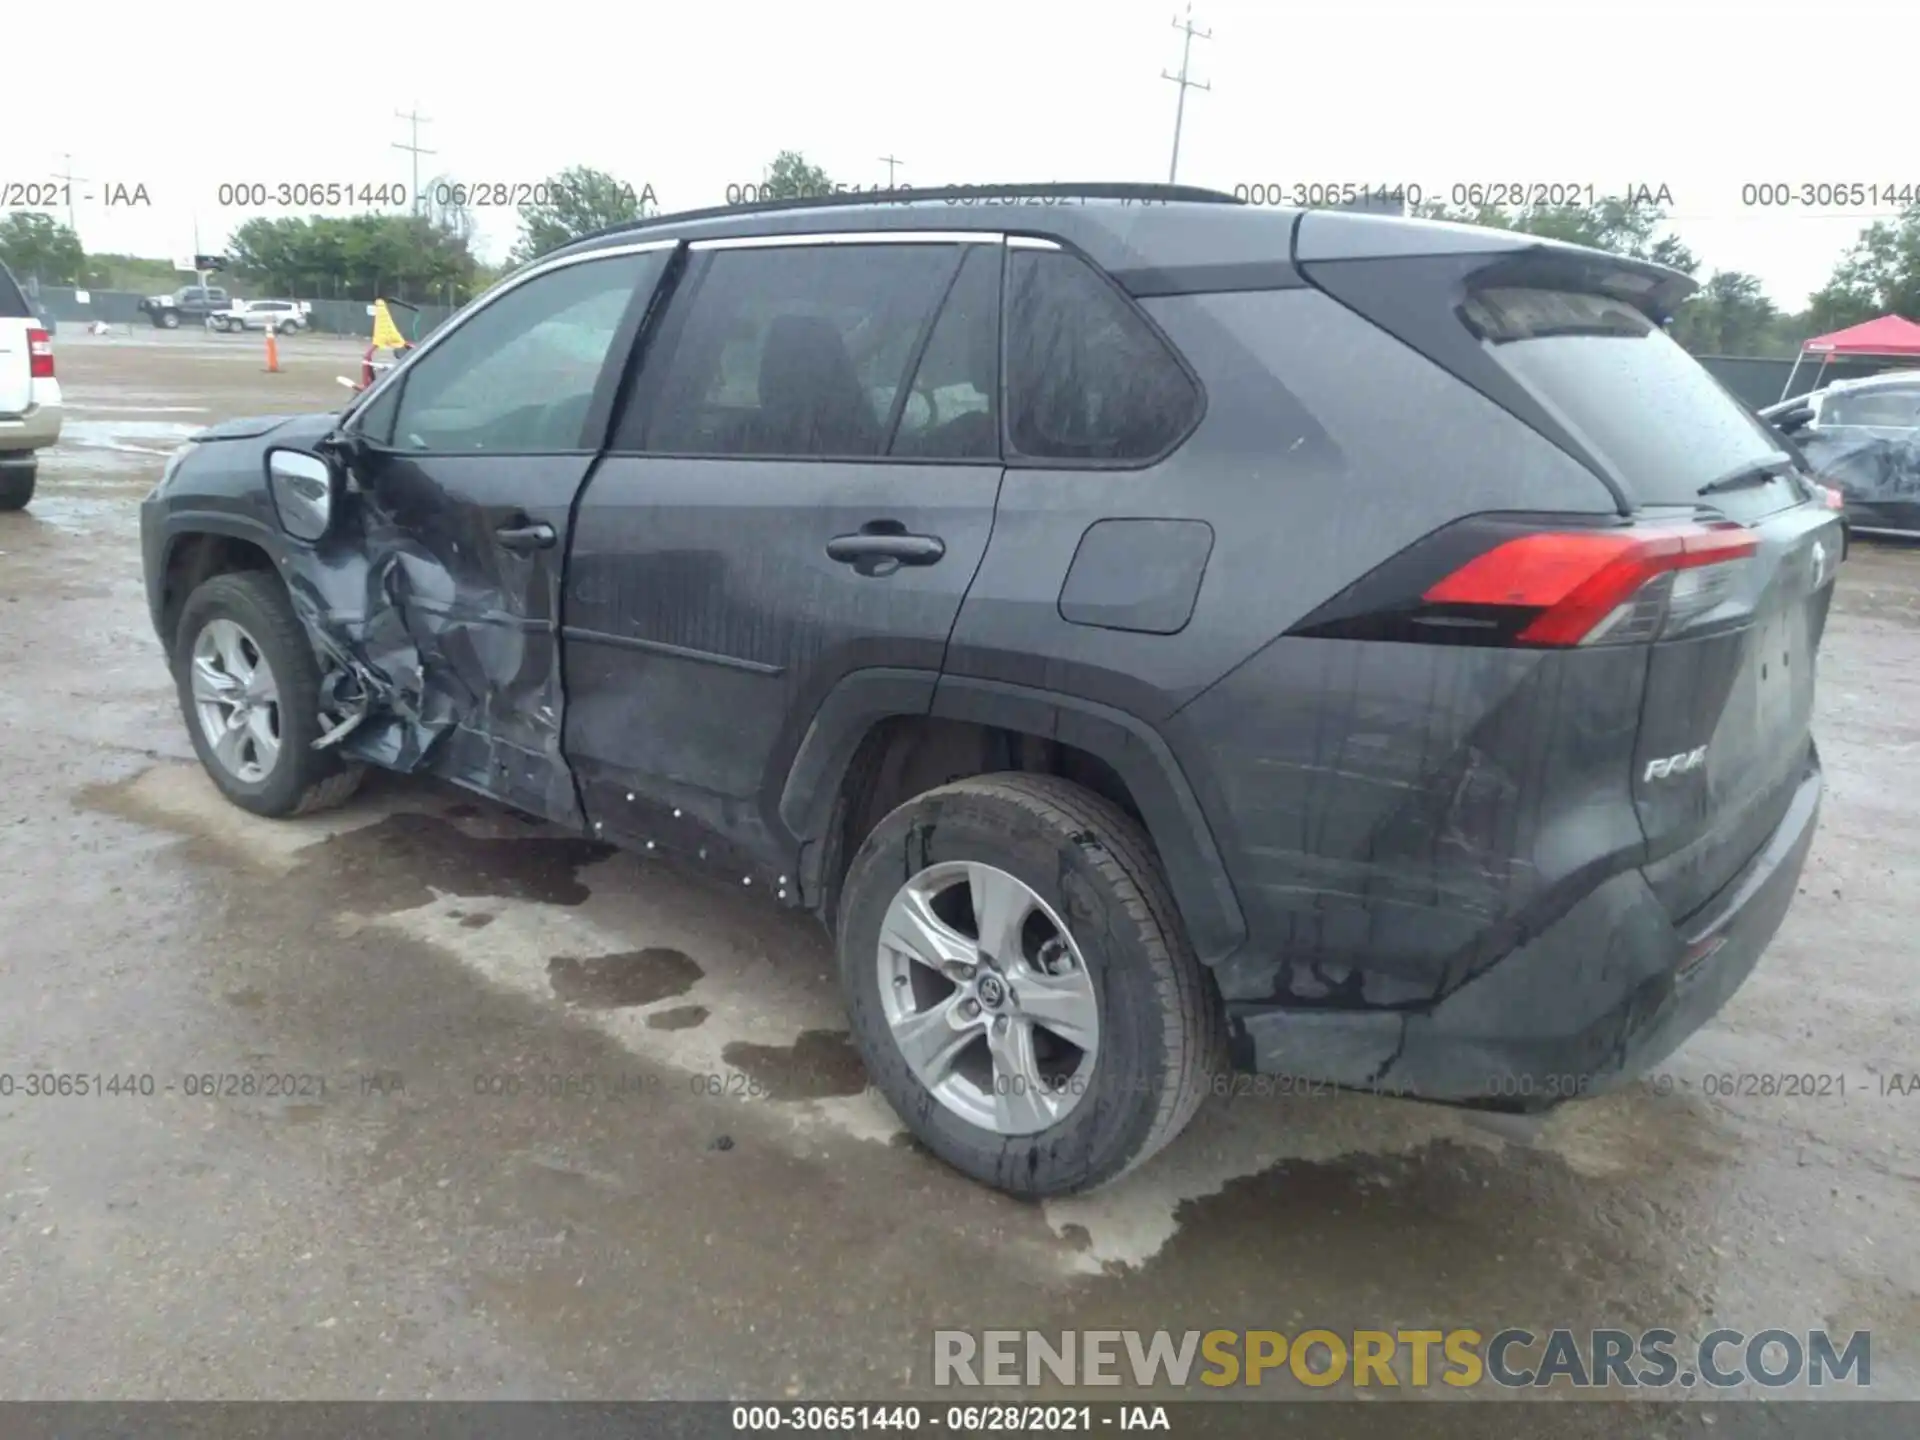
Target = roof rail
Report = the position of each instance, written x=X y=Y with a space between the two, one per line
x=1091 y=190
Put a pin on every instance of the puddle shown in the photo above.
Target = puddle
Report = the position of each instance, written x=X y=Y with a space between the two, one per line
x=137 y=409
x=680 y=1017
x=399 y=863
x=820 y=1063
x=633 y=977
x=121 y=435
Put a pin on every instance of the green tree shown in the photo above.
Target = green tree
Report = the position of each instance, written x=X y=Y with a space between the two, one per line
x=1729 y=315
x=790 y=177
x=577 y=202
x=408 y=257
x=37 y=246
x=1879 y=275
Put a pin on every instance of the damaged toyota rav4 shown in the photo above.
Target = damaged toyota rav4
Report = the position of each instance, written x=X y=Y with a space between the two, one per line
x=1159 y=637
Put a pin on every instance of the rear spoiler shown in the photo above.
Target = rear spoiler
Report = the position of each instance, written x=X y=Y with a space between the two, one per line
x=1511 y=257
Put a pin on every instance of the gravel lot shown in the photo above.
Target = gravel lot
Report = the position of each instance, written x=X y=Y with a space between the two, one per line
x=406 y=1232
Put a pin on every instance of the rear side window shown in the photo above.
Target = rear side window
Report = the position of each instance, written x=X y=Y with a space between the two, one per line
x=13 y=305
x=1618 y=384
x=796 y=351
x=1088 y=378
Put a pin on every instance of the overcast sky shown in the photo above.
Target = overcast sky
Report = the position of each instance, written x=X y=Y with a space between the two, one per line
x=1701 y=96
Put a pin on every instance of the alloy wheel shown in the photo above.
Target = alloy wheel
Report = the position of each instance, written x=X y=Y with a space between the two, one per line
x=237 y=699
x=988 y=997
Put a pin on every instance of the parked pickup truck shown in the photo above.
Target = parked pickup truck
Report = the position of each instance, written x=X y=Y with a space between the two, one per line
x=283 y=317
x=190 y=303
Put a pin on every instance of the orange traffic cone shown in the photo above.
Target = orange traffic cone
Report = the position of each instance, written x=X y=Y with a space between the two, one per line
x=273 y=352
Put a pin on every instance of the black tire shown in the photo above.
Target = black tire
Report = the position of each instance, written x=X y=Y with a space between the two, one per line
x=303 y=780
x=1161 y=1025
x=287 y=327
x=167 y=320
x=16 y=486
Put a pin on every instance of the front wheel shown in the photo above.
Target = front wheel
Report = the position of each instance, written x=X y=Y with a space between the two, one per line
x=250 y=691
x=168 y=321
x=1020 y=987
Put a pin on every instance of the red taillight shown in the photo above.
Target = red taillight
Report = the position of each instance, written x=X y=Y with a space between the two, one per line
x=39 y=355
x=1577 y=579
x=1832 y=498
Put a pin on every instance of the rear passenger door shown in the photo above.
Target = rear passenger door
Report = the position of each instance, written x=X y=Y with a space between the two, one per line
x=799 y=491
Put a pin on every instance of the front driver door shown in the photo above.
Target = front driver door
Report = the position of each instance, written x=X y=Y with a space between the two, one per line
x=471 y=461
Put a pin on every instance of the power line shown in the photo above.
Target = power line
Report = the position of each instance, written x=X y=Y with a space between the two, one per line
x=1180 y=110
x=890 y=161
x=416 y=120
x=70 y=177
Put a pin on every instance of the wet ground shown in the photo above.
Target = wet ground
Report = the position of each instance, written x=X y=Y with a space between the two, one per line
x=496 y=1112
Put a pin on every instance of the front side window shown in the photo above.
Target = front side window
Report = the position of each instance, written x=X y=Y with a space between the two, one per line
x=1087 y=377
x=518 y=377
x=795 y=351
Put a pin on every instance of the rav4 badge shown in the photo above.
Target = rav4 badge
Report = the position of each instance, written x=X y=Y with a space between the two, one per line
x=1676 y=764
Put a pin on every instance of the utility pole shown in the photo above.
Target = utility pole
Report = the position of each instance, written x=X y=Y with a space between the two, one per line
x=70 y=177
x=1180 y=110
x=890 y=161
x=416 y=120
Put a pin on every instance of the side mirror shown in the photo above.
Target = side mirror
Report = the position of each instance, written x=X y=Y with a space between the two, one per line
x=304 y=489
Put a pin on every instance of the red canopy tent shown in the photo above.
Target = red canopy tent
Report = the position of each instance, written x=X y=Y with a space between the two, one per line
x=1888 y=336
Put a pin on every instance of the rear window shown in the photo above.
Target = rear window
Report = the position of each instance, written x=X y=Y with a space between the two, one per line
x=1641 y=406
x=1894 y=407
x=13 y=305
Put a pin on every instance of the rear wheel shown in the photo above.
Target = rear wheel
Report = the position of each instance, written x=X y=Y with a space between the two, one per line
x=250 y=691
x=1019 y=984
x=16 y=485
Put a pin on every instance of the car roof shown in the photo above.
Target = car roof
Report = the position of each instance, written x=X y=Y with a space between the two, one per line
x=1154 y=239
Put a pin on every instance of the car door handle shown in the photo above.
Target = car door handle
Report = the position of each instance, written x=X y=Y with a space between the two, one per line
x=901 y=549
x=525 y=537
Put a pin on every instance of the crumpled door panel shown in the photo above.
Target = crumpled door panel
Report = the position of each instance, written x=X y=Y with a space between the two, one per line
x=435 y=655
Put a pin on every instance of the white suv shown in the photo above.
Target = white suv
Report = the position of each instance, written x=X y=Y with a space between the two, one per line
x=29 y=395
x=281 y=316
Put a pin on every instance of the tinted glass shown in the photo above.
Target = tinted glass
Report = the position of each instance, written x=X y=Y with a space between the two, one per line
x=949 y=412
x=518 y=377
x=1644 y=407
x=1893 y=407
x=13 y=305
x=1087 y=377
x=793 y=351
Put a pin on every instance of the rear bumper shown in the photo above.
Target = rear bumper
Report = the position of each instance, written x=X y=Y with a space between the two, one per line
x=1591 y=1003
x=39 y=426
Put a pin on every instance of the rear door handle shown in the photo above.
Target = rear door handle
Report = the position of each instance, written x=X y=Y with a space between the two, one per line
x=901 y=549
x=526 y=537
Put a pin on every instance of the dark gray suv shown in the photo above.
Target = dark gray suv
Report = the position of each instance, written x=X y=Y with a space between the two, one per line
x=1159 y=637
